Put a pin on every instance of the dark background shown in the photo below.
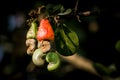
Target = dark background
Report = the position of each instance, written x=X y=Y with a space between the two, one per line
x=108 y=7
x=99 y=46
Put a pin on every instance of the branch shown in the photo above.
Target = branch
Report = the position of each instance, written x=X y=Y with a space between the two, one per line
x=80 y=63
x=83 y=63
x=76 y=6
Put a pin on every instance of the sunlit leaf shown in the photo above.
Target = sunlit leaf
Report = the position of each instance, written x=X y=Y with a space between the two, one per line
x=67 y=41
x=72 y=36
x=68 y=11
x=77 y=28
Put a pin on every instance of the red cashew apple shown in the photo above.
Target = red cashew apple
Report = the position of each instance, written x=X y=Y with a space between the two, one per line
x=45 y=31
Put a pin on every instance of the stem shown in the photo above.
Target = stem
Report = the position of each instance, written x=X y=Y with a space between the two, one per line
x=76 y=6
x=81 y=63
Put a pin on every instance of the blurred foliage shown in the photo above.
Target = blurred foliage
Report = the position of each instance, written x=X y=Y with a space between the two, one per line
x=117 y=46
x=95 y=31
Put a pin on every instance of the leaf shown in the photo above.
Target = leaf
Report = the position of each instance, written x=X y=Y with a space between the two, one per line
x=103 y=70
x=78 y=28
x=117 y=46
x=49 y=6
x=68 y=11
x=68 y=42
x=64 y=43
x=72 y=36
x=62 y=9
x=57 y=7
x=54 y=9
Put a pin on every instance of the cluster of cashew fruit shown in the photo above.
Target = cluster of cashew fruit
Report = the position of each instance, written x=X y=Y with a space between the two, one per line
x=41 y=45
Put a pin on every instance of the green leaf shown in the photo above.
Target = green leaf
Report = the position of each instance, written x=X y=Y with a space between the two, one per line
x=68 y=11
x=57 y=7
x=117 y=46
x=78 y=28
x=62 y=9
x=72 y=36
x=67 y=41
x=38 y=4
x=54 y=9
x=49 y=6
x=103 y=70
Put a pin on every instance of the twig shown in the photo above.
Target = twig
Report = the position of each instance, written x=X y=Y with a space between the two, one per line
x=76 y=6
x=81 y=63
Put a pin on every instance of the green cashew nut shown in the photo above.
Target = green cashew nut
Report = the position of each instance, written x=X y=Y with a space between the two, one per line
x=37 y=57
x=54 y=61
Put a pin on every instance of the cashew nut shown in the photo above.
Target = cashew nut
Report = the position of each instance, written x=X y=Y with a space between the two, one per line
x=31 y=43
x=45 y=45
x=37 y=57
x=54 y=61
